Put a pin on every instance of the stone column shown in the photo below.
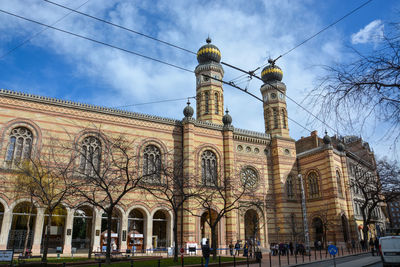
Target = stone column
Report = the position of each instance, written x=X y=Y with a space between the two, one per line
x=96 y=222
x=38 y=232
x=69 y=222
x=149 y=232
x=123 y=232
x=5 y=228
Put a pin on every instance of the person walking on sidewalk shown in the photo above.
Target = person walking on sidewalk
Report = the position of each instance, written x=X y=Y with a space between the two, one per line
x=206 y=253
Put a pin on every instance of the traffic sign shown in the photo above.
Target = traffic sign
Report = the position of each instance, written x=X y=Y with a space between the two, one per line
x=332 y=249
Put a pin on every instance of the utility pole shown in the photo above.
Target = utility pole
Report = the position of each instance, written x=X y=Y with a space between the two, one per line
x=304 y=208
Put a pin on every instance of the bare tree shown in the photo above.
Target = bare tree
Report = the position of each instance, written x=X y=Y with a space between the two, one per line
x=44 y=178
x=106 y=173
x=225 y=194
x=173 y=188
x=366 y=88
x=375 y=188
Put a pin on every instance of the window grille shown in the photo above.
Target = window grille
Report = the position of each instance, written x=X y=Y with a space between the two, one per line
x=313 y=186
x=152 y=164
x=19 y=146
x=209 y=168
x=90 y=156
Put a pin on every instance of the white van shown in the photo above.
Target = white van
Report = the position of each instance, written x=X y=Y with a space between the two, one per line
x=389 y=247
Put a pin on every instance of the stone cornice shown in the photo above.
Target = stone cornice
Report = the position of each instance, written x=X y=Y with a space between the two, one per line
x=87 y=107
x=251 y=136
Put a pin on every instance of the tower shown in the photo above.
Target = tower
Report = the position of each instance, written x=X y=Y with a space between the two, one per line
x=273 y=92
x=209 y=92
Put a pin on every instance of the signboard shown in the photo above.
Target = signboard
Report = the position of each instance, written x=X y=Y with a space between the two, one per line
x=332 y=249
x=6 y=255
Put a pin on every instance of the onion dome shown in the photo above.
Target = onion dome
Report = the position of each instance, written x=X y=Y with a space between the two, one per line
x=188 y=110
x=208 y=53
x=340 y=147
x=271 y=72
x=227 y=119
x=326 y=139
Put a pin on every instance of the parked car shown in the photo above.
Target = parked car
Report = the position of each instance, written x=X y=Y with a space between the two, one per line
x=389 y=247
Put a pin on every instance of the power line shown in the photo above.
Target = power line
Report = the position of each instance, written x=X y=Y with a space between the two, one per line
x=155 y=102
x=316 y=34
x=324 y=29
x=121 y=27
x=309 y=112
x=96 y=41
x=39 y=32
x=149 y=58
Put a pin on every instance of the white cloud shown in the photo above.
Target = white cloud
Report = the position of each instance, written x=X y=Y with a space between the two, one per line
x=372 y=33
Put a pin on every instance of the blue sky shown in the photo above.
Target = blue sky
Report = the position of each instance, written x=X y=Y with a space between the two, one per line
x=247 y=33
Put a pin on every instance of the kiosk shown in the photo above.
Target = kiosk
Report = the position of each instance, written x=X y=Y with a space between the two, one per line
x=135 y=241
x=114 y=241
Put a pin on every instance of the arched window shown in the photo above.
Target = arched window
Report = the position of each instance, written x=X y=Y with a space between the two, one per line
x=339 y=184
x=152 y=164
x=216 y=103
x=90 y=155
x=284 y=118
x=275 y=113
x=209 y=168
x=19 y=145
x=289 y=187
x=206 y=102
x=313 y=186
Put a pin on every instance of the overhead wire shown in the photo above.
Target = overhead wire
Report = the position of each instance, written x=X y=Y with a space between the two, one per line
x=121 y=27
x=239 y=80
x=39 y=32
x=143 y=56
x=155 y=102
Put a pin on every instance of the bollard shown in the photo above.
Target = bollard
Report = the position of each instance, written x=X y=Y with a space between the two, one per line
x=279 y=254
x=219 y=260
x=234 y=261
x=326 y=253
x=320 y=253
x=295 y=256
x=202 y=261
x=309 y=255
x=270 y=262
x=99 y=263
x=303 y=256
x=247 y=260
x=63 y=264
x=342 y=250
x=287 y=257
x=159 y=262
x=315 y=253
x=131 y=263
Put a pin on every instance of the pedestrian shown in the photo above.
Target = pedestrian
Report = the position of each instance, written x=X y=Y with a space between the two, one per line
x=237 y=248
x=376 y=243
x=291 y=248
x=371 y=245
x=319 y=243
x=206 y=253
x=246 y=250
x=231 y=248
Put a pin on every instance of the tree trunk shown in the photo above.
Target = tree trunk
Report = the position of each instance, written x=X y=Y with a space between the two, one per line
x=46 y=240
x=175 y=229
x=108 y=250
x=365 y=236
x=214 y=240
x=28 y=229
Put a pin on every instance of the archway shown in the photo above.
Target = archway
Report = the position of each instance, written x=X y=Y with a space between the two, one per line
x=115 y=229
x=345 y=228
x=318 y=229
x=160 y=222
x=252 y=226
x=57 y=228
x=82 y=228
x=136 y=227
x=22 y=226
x=205 y=226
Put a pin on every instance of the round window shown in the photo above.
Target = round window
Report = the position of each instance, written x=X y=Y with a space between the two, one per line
x=249 y=178
x=273 y=95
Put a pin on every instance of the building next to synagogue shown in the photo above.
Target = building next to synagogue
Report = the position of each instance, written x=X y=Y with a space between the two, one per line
x=272 y=163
